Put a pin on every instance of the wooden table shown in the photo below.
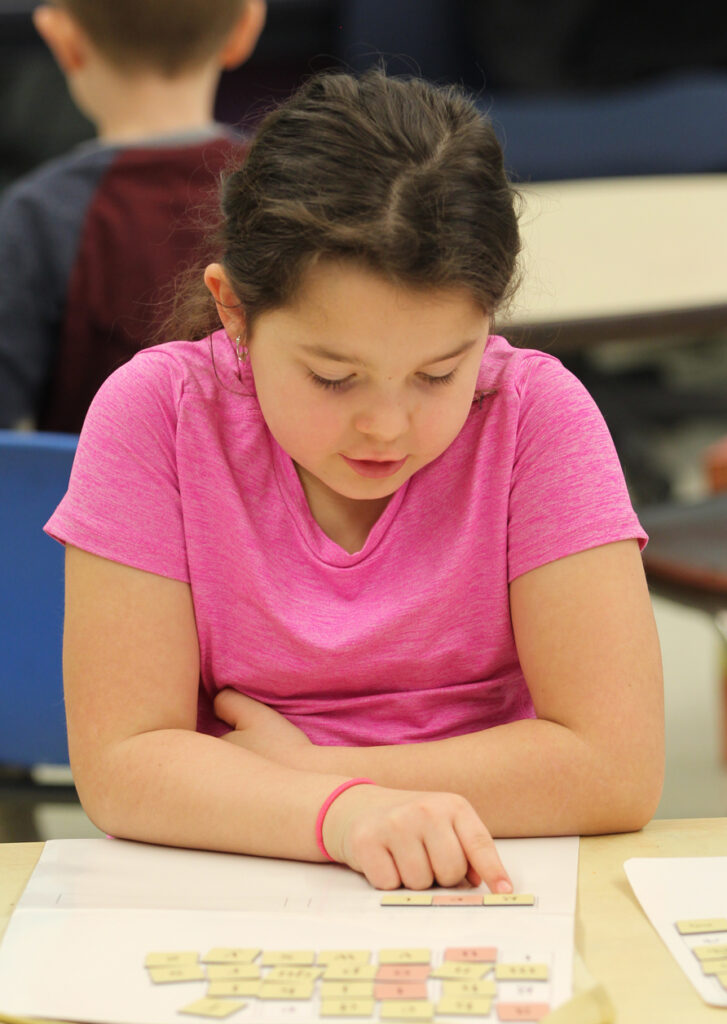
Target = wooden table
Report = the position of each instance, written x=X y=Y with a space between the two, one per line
x=613 y=935
x=616 y=939
x=612 y=258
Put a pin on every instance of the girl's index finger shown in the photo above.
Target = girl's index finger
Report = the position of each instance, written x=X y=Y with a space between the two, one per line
x=484 y=861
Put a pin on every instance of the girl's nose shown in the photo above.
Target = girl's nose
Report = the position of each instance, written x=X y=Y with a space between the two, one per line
x=384 y=419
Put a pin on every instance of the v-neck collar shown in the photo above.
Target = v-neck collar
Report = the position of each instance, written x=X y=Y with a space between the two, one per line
x=319 y=543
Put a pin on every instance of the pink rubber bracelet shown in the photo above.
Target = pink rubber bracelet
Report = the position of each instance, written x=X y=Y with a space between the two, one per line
x=324 y=810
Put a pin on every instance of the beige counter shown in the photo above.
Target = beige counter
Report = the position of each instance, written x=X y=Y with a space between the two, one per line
x=614 y=257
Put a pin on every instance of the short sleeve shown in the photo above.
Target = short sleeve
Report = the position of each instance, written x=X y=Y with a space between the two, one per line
x=568 y=491
x=123 y=500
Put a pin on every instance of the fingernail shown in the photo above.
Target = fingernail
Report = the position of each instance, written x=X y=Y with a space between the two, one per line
x=504 y=886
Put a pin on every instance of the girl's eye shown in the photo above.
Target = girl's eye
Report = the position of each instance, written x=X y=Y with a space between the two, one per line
x=338 y=385
x=439 y=380
x=330 y=385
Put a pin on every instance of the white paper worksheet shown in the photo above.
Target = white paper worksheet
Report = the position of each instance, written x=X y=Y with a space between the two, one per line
x=94 y=909
x=691 y=891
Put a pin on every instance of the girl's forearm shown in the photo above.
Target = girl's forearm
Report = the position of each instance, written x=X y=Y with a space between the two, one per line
x=532 y=777
x=181 y=788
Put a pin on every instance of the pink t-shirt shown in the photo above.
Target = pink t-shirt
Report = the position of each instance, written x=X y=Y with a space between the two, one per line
x=408 y=639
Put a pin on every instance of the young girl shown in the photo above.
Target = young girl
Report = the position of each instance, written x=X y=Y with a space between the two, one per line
x=350 y=577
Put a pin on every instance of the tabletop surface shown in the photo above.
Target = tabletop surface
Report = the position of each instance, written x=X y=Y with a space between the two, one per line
x=613 y=935
x=610 y=252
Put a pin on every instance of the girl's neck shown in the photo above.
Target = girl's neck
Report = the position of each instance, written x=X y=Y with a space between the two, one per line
x=346 y=521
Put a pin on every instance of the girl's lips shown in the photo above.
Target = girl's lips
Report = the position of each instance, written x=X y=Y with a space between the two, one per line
x=370 y=468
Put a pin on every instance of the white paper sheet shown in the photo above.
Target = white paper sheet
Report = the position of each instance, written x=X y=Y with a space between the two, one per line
x=672 y=889
x=75 y=945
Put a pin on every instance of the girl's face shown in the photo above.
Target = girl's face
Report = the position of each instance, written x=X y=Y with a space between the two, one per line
x=363 y=382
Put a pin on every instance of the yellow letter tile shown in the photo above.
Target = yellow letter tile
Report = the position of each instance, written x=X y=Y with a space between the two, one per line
x=230 y=955
x=462 y=1006
x=280 y=973
x=232 y=972
x=286 y=957
x=186 y=972
x=703 y=924
x=509 y=899
x=286 y=990
x=481 y=987
x=405 y=956
x=715 y=951
x=213 y=1007
x=350 y=956
x=341 y=970
x=407 y=899
x=347 y=1008
x=347 y=990
x=401 y=1009
x=245 y=987
x=455 y=970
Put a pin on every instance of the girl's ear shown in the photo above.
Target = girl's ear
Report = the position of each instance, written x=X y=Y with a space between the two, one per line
x=63 y=36
x=243 y=38
x=229 y=307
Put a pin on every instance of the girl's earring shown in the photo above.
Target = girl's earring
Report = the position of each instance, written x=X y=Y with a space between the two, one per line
x=241 y=349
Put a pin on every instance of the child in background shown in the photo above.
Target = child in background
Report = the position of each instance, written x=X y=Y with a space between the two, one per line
x=351 y=577
x=89 y=241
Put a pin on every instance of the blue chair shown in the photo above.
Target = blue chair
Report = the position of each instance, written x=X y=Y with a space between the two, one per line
x=34 y=471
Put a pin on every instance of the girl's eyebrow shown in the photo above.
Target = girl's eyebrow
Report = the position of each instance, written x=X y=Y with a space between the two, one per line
x=338 y=357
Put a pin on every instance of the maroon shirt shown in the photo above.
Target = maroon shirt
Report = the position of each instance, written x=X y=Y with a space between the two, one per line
x=92 y=244
x=145 y=223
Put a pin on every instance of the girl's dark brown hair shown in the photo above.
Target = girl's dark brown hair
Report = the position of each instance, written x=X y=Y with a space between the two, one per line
x=403 y=177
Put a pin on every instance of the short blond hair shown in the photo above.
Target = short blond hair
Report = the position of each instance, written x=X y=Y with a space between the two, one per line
x=164 y=35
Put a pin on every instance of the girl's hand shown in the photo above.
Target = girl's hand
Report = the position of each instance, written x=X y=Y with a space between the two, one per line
x=258 y=727
x=395 y=837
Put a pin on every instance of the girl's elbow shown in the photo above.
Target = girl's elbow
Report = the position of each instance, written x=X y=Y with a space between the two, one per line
x=649 y=796
x=635 y=795
x=93 y=794
x=96 y=785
